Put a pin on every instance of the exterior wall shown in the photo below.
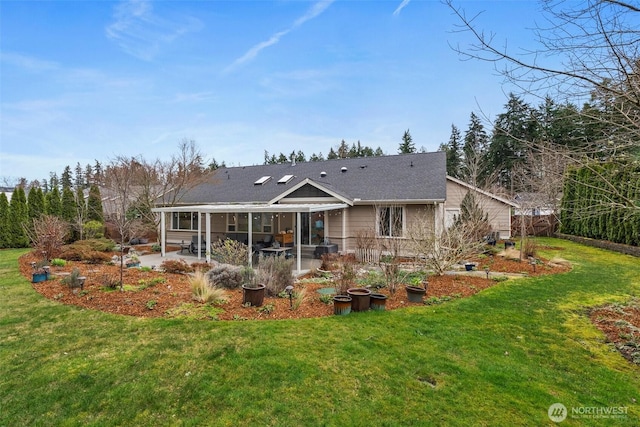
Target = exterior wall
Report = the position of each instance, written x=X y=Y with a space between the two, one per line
x=499 y=213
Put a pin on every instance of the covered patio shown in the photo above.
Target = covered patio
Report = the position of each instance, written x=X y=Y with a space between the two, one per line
x=204 y=236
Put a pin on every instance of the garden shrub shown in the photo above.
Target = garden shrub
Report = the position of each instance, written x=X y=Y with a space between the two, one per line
x=95 y=257
x=176 y=266
x=93 y=230
x=275 y=273
x=229 y=252
x=226 y=276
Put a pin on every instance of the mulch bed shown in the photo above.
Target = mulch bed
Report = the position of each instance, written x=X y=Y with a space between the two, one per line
x=621 y=326
x=146 y=297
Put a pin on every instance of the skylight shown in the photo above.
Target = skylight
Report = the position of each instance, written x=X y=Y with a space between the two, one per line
x=262 y=180
x=285 y=179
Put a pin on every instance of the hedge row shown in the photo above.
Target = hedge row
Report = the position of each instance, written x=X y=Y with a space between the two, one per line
x=603 y=202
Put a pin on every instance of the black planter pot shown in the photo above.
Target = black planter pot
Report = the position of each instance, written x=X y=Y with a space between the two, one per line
x=341 y=305
x=360 y=299
x=415 y=293
x=469 y=266
x=253 y=295
x=378 y=302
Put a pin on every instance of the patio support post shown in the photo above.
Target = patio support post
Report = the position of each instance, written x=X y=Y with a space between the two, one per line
x=163 y=234
x=208 y=236
x=298 y=242
x=250 y=239
x=199 y=235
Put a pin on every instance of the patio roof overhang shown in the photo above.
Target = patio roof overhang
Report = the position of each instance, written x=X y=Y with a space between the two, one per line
x=255 y=208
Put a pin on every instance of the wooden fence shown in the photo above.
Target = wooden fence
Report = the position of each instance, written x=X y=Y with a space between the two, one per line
x=541 y=225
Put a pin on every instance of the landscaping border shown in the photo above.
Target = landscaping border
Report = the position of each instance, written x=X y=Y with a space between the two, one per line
x=602 y=244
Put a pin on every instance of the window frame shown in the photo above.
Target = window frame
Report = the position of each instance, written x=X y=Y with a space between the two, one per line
x=387 y=230
x=176 y=221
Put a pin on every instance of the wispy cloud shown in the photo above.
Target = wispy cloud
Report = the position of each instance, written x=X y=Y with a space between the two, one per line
x=399 y=8
x=313 y=11
x=142 y=33
x=27 y=63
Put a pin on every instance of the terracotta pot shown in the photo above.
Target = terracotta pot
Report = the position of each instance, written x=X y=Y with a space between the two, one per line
x=253 y=294
x=341 y=305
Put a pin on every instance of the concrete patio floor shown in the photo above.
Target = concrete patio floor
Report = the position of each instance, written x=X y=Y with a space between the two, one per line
x=155 y=259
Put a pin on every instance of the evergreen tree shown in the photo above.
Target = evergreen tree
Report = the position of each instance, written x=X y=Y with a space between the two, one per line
x=474 y=151
x=88 y=175
x=78 y=180
x=65 y=179
x=98 y=173
x=406 y=146
x=513 y=129
x=68 y=205
x=94 y=204
x=343 y=150
x=454 y=153
x=53 y=203
x=35 y=203
x=18 y=218
x=378 y=152
x=5 y=235
x=332 y=155
x=54 y=182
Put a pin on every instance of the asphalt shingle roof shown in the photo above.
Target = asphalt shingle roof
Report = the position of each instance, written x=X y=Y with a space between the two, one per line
x=407 y=177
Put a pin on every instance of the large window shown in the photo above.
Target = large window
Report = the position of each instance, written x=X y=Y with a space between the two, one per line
x=184 y=221
x=261 y=222
x=390 y=221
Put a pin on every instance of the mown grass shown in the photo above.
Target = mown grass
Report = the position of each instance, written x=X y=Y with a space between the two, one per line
x=501 y=358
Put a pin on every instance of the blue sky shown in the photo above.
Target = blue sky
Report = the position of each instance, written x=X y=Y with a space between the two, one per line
x=86 y=80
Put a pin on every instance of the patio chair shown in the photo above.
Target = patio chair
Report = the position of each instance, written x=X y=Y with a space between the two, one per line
x=194 y=245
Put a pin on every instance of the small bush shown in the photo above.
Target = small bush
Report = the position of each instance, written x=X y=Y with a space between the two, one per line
x=156 y=248
x=72 y=254
x=226 y=276
x=529 y=247
x=202 y=291
x=93 y=229
x=176 y=266
x=73 y=280
x=95 y=257
x=200 y=266
x=275 y=273
x=58 y=262
x=109 y=281
x=230 y=252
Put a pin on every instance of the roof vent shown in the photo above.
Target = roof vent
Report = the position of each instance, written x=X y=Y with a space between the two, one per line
x=323 y=174
x=262 y=180
x=343 y=169
x=363 y=166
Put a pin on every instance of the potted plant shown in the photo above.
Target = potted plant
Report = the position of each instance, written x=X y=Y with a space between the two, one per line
x=133 y=261
x=40 y=271
x=252 y=290
x=416 y=289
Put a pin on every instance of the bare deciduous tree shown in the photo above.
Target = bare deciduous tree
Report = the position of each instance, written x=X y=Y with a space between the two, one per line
x=596 y=45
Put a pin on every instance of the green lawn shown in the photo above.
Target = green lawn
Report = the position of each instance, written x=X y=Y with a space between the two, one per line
x=499 y=358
